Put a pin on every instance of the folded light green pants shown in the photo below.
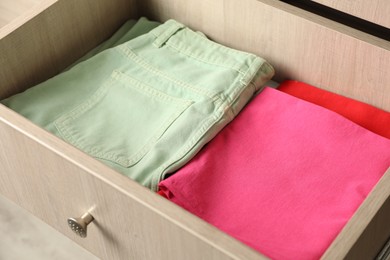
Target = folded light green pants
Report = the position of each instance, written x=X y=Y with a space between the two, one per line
x=147 y=106
x=129 y=30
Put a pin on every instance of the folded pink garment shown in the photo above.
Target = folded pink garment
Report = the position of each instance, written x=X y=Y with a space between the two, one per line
x=284 y=177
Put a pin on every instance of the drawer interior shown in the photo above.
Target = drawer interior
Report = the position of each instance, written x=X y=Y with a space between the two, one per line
x=319 y=52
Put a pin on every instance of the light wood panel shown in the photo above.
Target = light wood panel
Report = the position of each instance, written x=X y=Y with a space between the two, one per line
x=25 y=237
x=55 y=181
x=11 y=9
x=57 y=33
x=373 y=214
x=375 y=11
x=300 y=45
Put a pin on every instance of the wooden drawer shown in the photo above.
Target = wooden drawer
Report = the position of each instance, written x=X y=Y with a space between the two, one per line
x=54 y=181
x=374 y=11
x=9 y=10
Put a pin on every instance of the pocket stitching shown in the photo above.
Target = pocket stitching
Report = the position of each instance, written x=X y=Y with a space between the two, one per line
x=128 y=52
x=62 y=123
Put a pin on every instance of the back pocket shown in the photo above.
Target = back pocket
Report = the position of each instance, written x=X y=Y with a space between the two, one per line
x=121 y=121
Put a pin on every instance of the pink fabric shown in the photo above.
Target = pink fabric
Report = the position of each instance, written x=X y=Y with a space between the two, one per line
x=284 y=177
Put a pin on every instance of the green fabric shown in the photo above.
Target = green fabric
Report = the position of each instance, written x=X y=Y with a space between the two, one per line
x=147 y=106
x=129 y=30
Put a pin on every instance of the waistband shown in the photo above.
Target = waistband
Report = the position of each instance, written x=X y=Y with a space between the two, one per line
x=192 y=44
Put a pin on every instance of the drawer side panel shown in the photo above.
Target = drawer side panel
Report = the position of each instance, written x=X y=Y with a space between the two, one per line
x=52 y=36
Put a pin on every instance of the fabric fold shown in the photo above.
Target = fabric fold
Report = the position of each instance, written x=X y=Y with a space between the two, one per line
x=365 y=115
x=146 y=107
x=284 y=176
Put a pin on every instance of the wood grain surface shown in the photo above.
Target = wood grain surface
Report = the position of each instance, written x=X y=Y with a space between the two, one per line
x=11 y=9
x=54 y=181
x=375 y=11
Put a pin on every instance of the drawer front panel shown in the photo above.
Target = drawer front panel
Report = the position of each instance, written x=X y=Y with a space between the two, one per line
x=376 y=11
x=128 y=222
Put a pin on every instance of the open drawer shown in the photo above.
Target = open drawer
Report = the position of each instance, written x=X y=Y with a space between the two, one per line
x=55 y=181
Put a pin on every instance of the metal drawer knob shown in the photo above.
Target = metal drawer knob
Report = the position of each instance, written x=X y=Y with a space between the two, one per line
x=79 y=225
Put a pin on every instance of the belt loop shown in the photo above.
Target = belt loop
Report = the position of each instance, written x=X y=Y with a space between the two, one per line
x=164 y=32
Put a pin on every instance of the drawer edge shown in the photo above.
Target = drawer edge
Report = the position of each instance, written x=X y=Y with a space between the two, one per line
x=165 y=214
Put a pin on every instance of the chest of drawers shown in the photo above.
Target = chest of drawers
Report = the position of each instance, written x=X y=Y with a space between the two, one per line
x=55 y=181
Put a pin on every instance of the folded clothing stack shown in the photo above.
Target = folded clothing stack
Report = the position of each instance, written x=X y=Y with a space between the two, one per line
x=147 y=105
x=284 y=177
